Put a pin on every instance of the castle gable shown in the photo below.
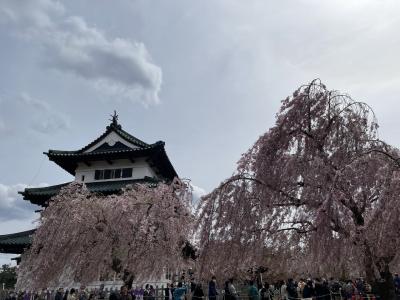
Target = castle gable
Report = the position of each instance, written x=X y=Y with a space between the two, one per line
x=112 y=141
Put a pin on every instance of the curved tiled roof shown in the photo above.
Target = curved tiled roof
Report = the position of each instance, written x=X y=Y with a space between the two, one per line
x=41 y=195
x=117 y=128
x=68 y=160
x=16 y=242
x=80 y=153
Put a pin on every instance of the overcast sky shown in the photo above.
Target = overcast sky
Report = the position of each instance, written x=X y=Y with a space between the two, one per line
x=206 y=77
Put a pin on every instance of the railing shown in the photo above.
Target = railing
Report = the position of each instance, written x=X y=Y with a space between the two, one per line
x=159 y=295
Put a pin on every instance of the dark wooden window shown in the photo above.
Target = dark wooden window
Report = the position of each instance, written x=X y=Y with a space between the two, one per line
x=117 y=173
x=126 y=172
x=98 y=174
x=107 y=174
x=112 y=173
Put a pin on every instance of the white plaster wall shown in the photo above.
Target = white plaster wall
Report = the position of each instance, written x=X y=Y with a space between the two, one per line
x=111 y=139
x=140 y=169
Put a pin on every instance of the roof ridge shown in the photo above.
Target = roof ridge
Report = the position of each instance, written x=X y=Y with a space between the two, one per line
x=130 y=137
x=93 y=153
x=108 y=130
x=17 y=234
x=117 y=128
x=44 y=187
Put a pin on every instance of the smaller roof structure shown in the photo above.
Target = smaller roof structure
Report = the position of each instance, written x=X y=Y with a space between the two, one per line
x=42 y=195
x=16 y=243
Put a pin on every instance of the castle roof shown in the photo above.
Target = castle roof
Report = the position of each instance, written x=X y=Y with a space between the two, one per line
x=129 y=147
x=16 y=242
x=42 y=195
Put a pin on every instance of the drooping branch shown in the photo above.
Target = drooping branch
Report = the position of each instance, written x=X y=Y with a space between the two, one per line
x=322 y=162
x=140 y=231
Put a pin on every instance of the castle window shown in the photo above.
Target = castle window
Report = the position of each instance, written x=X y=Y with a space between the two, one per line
x=98 y=174
x=126 y=172
x=112 y=173
x=117 y=173
x=108 y=174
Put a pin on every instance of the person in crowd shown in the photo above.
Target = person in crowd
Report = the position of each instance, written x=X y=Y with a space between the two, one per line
x=192 y=286
x=133 y=294
x=136 y=293
x=59 y=295
x=146 y=292
x=252 y=291
x=179 y=292
x=172 y=289
x=66 y=295
x=348 y=290
x=83 y=294
x=308 y=291
x=167 y=292
x=335 y=288
x=182 y=281
x=283 y=290
x=273 y=291
x=72 y=295
x=300 y=286
x=318 y=288
x=264 y=292
x=124 y=294
x=42 y=295
x=227 y=293
x=12 y=295
x=360 y=285
x=291 y=289
x=232 y=290
x=212 y=289
x=198 y=293
x=113 y=295
x=36 y=295
x=396 y=282
x=152 y=293
x=322 y=291
x=141 y=293
x=101 y=293
x=27 y=296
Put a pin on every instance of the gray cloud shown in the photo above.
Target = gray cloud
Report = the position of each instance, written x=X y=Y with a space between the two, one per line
x=12 y=207
x=50 y=124
x=27 y=99
x=44 y=118
x=22 y=112
x=32 y=16
x=116 y=66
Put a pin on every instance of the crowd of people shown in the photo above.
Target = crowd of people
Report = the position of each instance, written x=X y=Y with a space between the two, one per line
x=317 y=288
x=281 y=290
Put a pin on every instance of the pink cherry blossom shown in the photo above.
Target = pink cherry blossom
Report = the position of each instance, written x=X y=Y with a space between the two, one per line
x=316 y=195
x=83 y=236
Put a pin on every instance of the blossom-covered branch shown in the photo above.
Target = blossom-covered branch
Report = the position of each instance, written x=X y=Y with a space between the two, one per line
x=85 y=236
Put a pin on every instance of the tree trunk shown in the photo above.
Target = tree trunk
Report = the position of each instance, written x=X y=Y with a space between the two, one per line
x=369 y=265
x=382 y=286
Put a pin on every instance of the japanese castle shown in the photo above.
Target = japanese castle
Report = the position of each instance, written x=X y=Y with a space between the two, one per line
x=106 y=165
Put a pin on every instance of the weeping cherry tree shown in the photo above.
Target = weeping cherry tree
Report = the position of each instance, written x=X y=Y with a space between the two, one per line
x=83 y=236
x=319 y=186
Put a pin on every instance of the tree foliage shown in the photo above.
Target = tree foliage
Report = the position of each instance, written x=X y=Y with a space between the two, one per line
x=8 y=276
x=84 y=236
x=319 y=189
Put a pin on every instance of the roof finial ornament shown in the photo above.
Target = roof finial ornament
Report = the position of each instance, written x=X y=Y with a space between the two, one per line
x=114 y=120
